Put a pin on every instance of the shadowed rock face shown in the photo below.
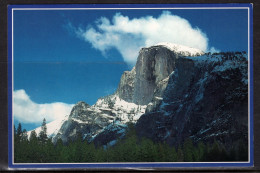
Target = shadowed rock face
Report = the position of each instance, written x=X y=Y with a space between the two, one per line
x=204 y=100
x=153 y=65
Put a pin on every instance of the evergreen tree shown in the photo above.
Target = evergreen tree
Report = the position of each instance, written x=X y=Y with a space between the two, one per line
x=50 y=154
x=88 y=152
x=58 y=149
x=180 y=154
x=43 y=133
x=33 y=136
x=147 y=150
x=188 y=150
x=127 y=149
x=232 y=154
x=172 y=155
x=19 y=132
x=65 y=154
x=77 y=148
x=21 y=147
x=100 y=155
x=214 y=152
x=201 y=151
x=17 y=142
x=15 y=131
x=242 y=152
x=24 y=136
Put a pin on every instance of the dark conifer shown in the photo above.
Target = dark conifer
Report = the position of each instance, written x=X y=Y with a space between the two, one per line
x=43 y=134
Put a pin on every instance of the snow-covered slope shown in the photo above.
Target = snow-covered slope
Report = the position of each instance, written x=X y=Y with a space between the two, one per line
x=110 y=112
x=224 y=61
x=52 y=127
x=125 y=111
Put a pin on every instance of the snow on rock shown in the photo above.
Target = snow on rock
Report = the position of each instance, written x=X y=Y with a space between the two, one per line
x=180 y=49
x=110 y=113
x=79 y=121
x=125 y=111
x=224 y=61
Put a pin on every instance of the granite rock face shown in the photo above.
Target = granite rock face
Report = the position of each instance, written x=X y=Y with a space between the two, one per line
x=153 y=65
x=147 y=80
x=126 y=86
x=206 y=99
x=108 y=114
x=83 y=120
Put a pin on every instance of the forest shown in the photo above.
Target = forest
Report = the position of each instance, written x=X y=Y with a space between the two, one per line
x=40 y=149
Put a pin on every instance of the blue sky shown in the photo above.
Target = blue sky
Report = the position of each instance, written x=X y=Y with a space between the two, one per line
x=65 y=56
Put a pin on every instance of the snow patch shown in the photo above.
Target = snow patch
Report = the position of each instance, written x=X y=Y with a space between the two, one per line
x=203 y=131
x=200 y=92
x=79 y=121
x=183 y=50
x=219 y=133
x=123 y=110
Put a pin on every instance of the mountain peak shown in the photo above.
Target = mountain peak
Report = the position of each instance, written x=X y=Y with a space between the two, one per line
x=181 y=49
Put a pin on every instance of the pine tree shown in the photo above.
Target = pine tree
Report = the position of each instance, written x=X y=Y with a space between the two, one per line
x=201 y=151
x=89 y=151
x=180 y=154
x=34 y=151
x=24 y=136
x=33 y=136
x=173 y=155
x=15 y=131
x=147 y=150
x=43 y=134
x=19 y=132
x=188 y=150
x=50 y=151
x=242 y=152
x=21 y=145
x=58 y=149
x=77 y=148
x=214 y=153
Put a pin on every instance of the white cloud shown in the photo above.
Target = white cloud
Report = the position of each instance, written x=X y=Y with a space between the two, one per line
x=129 y=35
x=27 y=111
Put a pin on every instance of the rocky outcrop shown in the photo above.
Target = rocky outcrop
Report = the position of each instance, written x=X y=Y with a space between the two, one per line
x=126 y=85
x=153 y=65
x=206 y=99
x=108 y=113
x=83 y=120
x=148 y=79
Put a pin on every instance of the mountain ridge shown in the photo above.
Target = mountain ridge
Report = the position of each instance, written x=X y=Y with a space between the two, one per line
x=165 y=82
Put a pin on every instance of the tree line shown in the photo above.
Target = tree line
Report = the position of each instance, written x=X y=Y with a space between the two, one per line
x=40 y=149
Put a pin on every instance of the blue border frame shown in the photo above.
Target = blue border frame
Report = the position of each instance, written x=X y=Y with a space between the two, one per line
x=129 y=165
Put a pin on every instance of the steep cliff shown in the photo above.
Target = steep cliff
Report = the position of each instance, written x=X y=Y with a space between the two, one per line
x=206 y=99
x=150 y=74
